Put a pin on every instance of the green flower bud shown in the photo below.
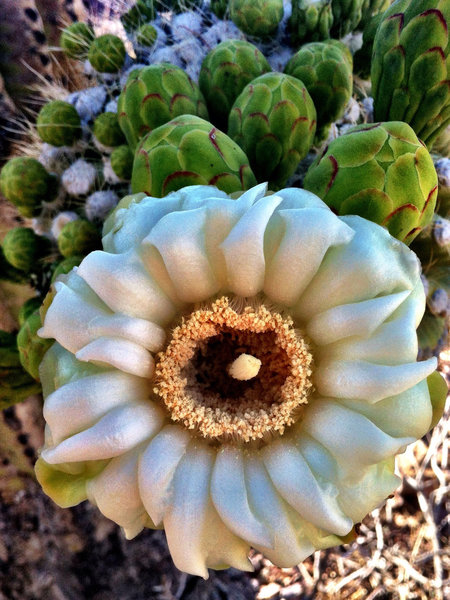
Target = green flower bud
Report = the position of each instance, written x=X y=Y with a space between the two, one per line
x=107 y=130
x=225 y=71
x=189 y=151
x=411 y=66
x=324 y=69
x=65 y=266
x=23 y=248
x=15 y=383
x=76 y=39
x=153 y=96
x=146 y=35
x=28 y=308
x=139 y=13
x=58 y=123
x=259 y=18
x=8 y=272
x=107 y=53
x=310 y=20
x=32 y=347
x=370 y=9
x=379 y=171
x=26 y=183
x=274 y=122
x=346 y=16
x=122 y=162
x=219 y=7
x=363 y=57
x=78 y=238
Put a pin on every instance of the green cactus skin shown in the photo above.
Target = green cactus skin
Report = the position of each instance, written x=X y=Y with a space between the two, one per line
x=431 y=335
x=28 y=308
x=31 y=347
x=107 y=53
x=78 y=238
x=65 y=266
x=146 y=35
x=411 y=66
x=327 y=75
x=274 y=122
x=225 y=71
x=8 y=272
x=153 y=96
x=219 y=8
x=379 y=171
x=189 y=151
x=107 y=130
x=76 y=39
x=58 y=123
x=141 y=12
x=258 y=18
x=370 y=9
x=346 y=16
x=363 y=56
x=23 y=248
x=310 y=21
x=15 y=383
x=122 y=162
x=26 y=184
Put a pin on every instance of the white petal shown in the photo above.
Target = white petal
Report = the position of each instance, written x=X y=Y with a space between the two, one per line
x=125 y=286
x=196 y=536
x=122 y=354
x=229 y=496
x=356 y=319
x=132 y=224
x=295 y=482
x=289 y=546
x=115 y=491
x=366 y=381
x=180 y=239
x=375 y=484
x=78 y=404
x=117 y=432
x=408 y=413
x=244 y=248
x=69 y=312
x=319 y=459
x=157 y=467
x=141 y=332
x=308 y=233
x=372 y=264
x=298 y=198
x=351 y=438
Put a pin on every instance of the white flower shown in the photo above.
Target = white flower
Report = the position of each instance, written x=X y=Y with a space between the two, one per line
x=152 y=417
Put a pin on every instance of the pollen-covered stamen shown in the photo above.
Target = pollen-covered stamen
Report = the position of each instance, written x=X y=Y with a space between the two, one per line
x=236 y=374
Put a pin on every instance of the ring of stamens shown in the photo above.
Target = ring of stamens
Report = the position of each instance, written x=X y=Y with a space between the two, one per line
x=192 y=375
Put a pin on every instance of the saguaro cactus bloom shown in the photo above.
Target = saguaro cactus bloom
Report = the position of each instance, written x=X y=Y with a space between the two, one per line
x=159 y=412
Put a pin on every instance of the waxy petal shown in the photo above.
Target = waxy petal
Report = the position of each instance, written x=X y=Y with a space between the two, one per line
x=117 y=432
x=79 y=404
x=229 y=496
x=289 y=271
x=315 y=502
x=115 y=491
x=196 y=536
x=366 y=381
x=122 y=354
x=243 y=249
x=157 y=467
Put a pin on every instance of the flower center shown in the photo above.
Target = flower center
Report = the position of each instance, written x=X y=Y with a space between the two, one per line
x=234 y=373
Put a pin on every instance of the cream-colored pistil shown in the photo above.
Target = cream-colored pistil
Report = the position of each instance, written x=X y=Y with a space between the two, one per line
x=244 y=367
x=262 y=390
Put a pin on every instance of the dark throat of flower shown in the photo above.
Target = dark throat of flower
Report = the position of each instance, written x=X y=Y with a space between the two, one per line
x=235 y=374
